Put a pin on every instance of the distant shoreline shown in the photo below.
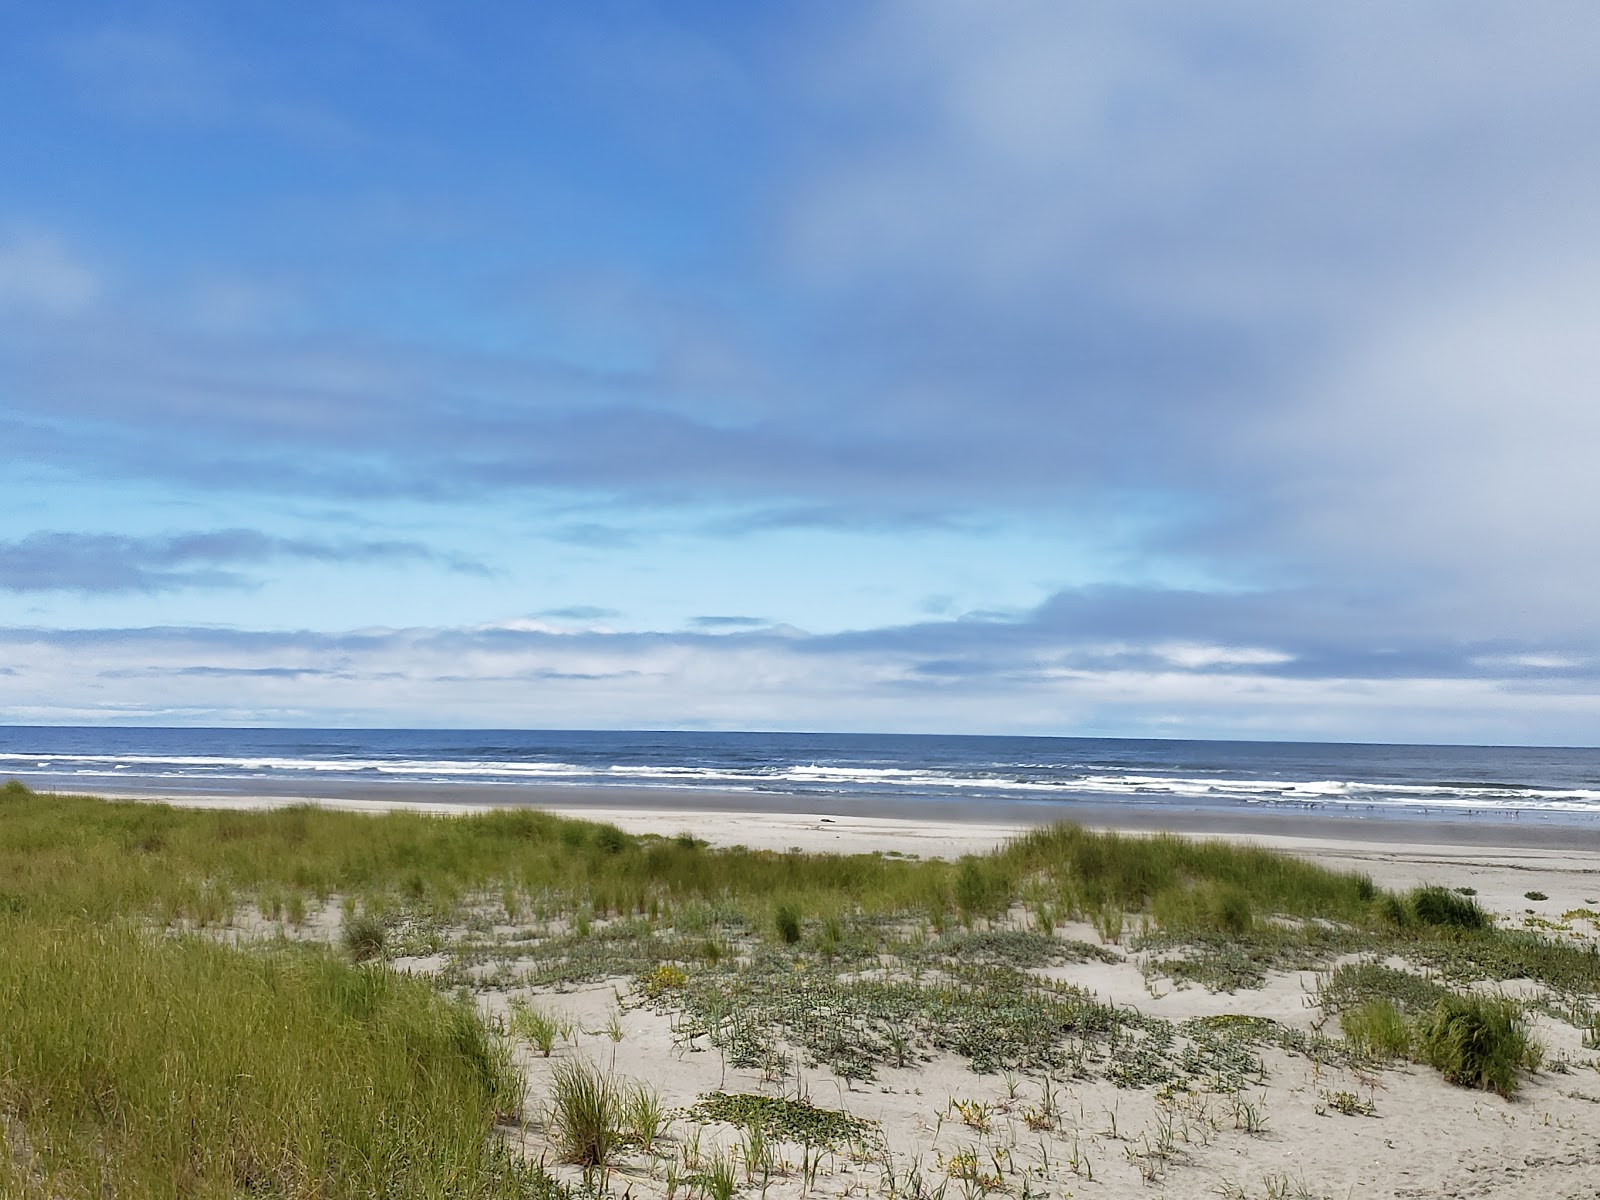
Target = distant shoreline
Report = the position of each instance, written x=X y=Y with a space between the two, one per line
x=967 y=821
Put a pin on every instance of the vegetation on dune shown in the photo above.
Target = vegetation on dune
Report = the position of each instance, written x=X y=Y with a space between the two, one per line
x=133 y=1065
x=61 y=854
x=163 y=1054
x=1479 y=1041
x=783 y=1119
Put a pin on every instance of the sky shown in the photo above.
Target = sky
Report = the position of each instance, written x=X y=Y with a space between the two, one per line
x=1217 y=369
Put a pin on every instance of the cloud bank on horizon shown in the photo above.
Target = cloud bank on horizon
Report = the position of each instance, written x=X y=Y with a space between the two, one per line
x=1104 y=369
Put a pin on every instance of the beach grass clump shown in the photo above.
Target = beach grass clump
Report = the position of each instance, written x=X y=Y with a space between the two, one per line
x=1480 y=1041
x=540 y=1028
x=587 y=1110
x=1092 y=870
x=1378 y=1029
x=1207 y=905
x=365 y=936
x=786 y=920
x=644 y=1117
x=135 y=1065
x=1440 y=907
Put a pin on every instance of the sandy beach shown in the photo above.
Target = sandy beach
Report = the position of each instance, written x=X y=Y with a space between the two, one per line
x=1303 y=1128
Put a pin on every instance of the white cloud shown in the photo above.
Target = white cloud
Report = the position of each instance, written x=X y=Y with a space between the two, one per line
x=1201 y=656
x=504 y=676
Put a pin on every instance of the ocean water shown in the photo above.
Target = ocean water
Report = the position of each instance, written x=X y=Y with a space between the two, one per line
x=1466 y=782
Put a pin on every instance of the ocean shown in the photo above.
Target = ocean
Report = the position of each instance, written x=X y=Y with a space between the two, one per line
x=1477 y=783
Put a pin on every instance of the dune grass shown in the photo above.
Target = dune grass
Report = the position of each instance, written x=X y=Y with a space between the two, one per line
x=587 y=1112
x=1379 y=1029
x=135 y=1065
x=1480 y=1041
x=99 y=859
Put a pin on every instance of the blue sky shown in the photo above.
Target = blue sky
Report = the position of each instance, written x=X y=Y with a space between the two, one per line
x=1221 y=370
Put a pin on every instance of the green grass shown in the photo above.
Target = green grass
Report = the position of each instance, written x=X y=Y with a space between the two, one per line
x=586 y=1113
x=365 y=937
x=1480 y=1041
x=1439 y=906
x=644 y=1117
x=136 y=1066
x=1378 y=1029
x=535 y=1025
x=79 y=855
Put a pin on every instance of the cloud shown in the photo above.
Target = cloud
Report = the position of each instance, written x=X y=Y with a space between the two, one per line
x=581 y=612
x=39 y=274
x=1108 y=662
x=729 y=622
x=105 y=563
x=1293 y=303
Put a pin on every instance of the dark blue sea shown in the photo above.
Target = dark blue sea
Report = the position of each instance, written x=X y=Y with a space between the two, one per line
x=1467 y=782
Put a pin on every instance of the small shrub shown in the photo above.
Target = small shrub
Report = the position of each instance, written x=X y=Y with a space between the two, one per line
x=1480 y=1041
x=782 y=1119
x=587 y=1114
x=1467 y=891
x=1440 y=906
x=610 y=840
x=1534 y=896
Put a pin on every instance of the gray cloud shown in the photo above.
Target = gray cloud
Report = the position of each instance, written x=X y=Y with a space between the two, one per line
x=1121 y=663
x=580 y=612
x=101 y=563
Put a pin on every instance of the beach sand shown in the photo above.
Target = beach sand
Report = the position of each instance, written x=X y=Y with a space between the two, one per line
x=1421 y=1138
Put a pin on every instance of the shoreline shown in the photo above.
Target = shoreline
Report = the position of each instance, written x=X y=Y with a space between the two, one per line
x=642 y=802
